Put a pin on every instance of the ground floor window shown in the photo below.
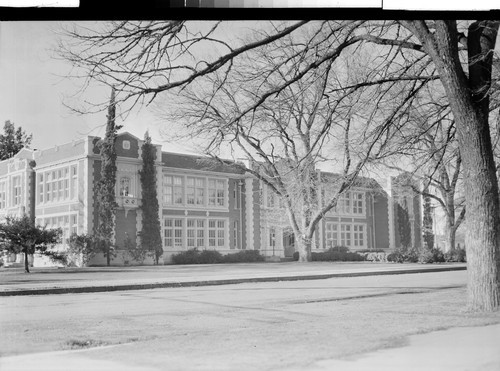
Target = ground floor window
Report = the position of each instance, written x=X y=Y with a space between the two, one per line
x=345 y=234
x=68 y=224
x=194 y=233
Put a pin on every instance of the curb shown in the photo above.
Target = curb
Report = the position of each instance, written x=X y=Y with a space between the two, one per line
x=216 y=282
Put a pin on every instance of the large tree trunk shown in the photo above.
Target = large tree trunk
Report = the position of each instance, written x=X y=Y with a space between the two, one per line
x=449 y=234
x=469 y=102
x=470 y=105
x=304 y=245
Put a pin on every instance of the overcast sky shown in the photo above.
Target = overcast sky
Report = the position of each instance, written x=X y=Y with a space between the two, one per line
x=32 y=91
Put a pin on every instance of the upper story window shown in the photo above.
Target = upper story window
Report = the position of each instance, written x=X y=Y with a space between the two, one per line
x=195 y=191
x=57 y=185
x=16 y=190
x=179 y=190
x=173 y=190
x=2 y=195
x=358 y=203
x=126 y=144
x=351 y=203
x=216 y=192
x=124 y=186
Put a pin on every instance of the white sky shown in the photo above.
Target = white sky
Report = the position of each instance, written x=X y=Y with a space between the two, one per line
x=32 y=91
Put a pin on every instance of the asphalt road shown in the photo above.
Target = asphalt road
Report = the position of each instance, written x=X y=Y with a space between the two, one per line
x=251 y=326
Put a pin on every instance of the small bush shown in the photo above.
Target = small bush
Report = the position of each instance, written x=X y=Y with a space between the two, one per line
x=456 y=255
x=339 y=253
x=295 y=256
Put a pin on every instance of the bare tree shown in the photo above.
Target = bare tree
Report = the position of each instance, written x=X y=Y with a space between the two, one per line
x=144 y=59
x=310 y=122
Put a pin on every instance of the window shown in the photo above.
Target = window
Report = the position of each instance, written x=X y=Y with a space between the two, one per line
x=74 y=223
x=271 y=198
x=2 y=195
x=40 y=188
x=126 y=144
x=172 y=190
x=344 y=203
x=216 y=233
x=345 y=235
x=16 y=190
x=124 y=186
x=358 y=235
x=235 y=235
x=331 y=235
x=195 y=233
x=173 y=232
x=358 y=203
x=74 y=181
x=57 y=185
x=195 y=191
x=67 y=223
x=216 y=193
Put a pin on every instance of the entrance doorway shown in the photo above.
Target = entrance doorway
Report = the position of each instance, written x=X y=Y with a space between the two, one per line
x=288 y=242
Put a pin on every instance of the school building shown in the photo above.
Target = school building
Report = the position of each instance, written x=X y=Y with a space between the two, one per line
x=203 y=204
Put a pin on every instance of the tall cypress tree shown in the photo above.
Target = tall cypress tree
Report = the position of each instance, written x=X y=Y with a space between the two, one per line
x=404 y=227
x=106 y=185
x=151 y=230
x=427 y=222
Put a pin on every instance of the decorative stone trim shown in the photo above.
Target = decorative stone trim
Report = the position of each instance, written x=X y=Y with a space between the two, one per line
x=249 y=202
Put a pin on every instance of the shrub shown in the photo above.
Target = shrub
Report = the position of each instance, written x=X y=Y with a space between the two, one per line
x=194 y=256
x=404 y=255
x=432 y=255
x=456 y=255
x=210 y=257
x=335 y=254
x=244 y=256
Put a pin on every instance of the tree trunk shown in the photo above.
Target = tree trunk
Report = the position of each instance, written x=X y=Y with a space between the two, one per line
x=304 y=248
x=108 y=255
x=26 y=262
x=449 y=233
x=469 y=101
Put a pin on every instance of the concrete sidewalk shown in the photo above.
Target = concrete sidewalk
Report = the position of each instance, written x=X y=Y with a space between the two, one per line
x=13 y=281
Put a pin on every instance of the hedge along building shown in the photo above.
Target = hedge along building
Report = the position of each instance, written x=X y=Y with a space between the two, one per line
x=203 y=204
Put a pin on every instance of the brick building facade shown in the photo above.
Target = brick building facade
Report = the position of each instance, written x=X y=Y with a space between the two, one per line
x=203 y=204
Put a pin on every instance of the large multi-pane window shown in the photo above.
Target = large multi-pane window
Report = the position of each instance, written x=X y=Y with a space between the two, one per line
x=216 y=232
x=358 y=235
x=331 y=235
x=194 y=191
x=343 y=234
x=358 y=203
x=3 y=195
x=172 y=190
x=195 y=233
x=57 y=185
x=67 y=223
x=173 y=231
x=216 y=192
x=351 y=203
x=16 y=191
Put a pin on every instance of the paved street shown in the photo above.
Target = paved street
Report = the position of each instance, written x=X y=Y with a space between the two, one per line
x=297 y=325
